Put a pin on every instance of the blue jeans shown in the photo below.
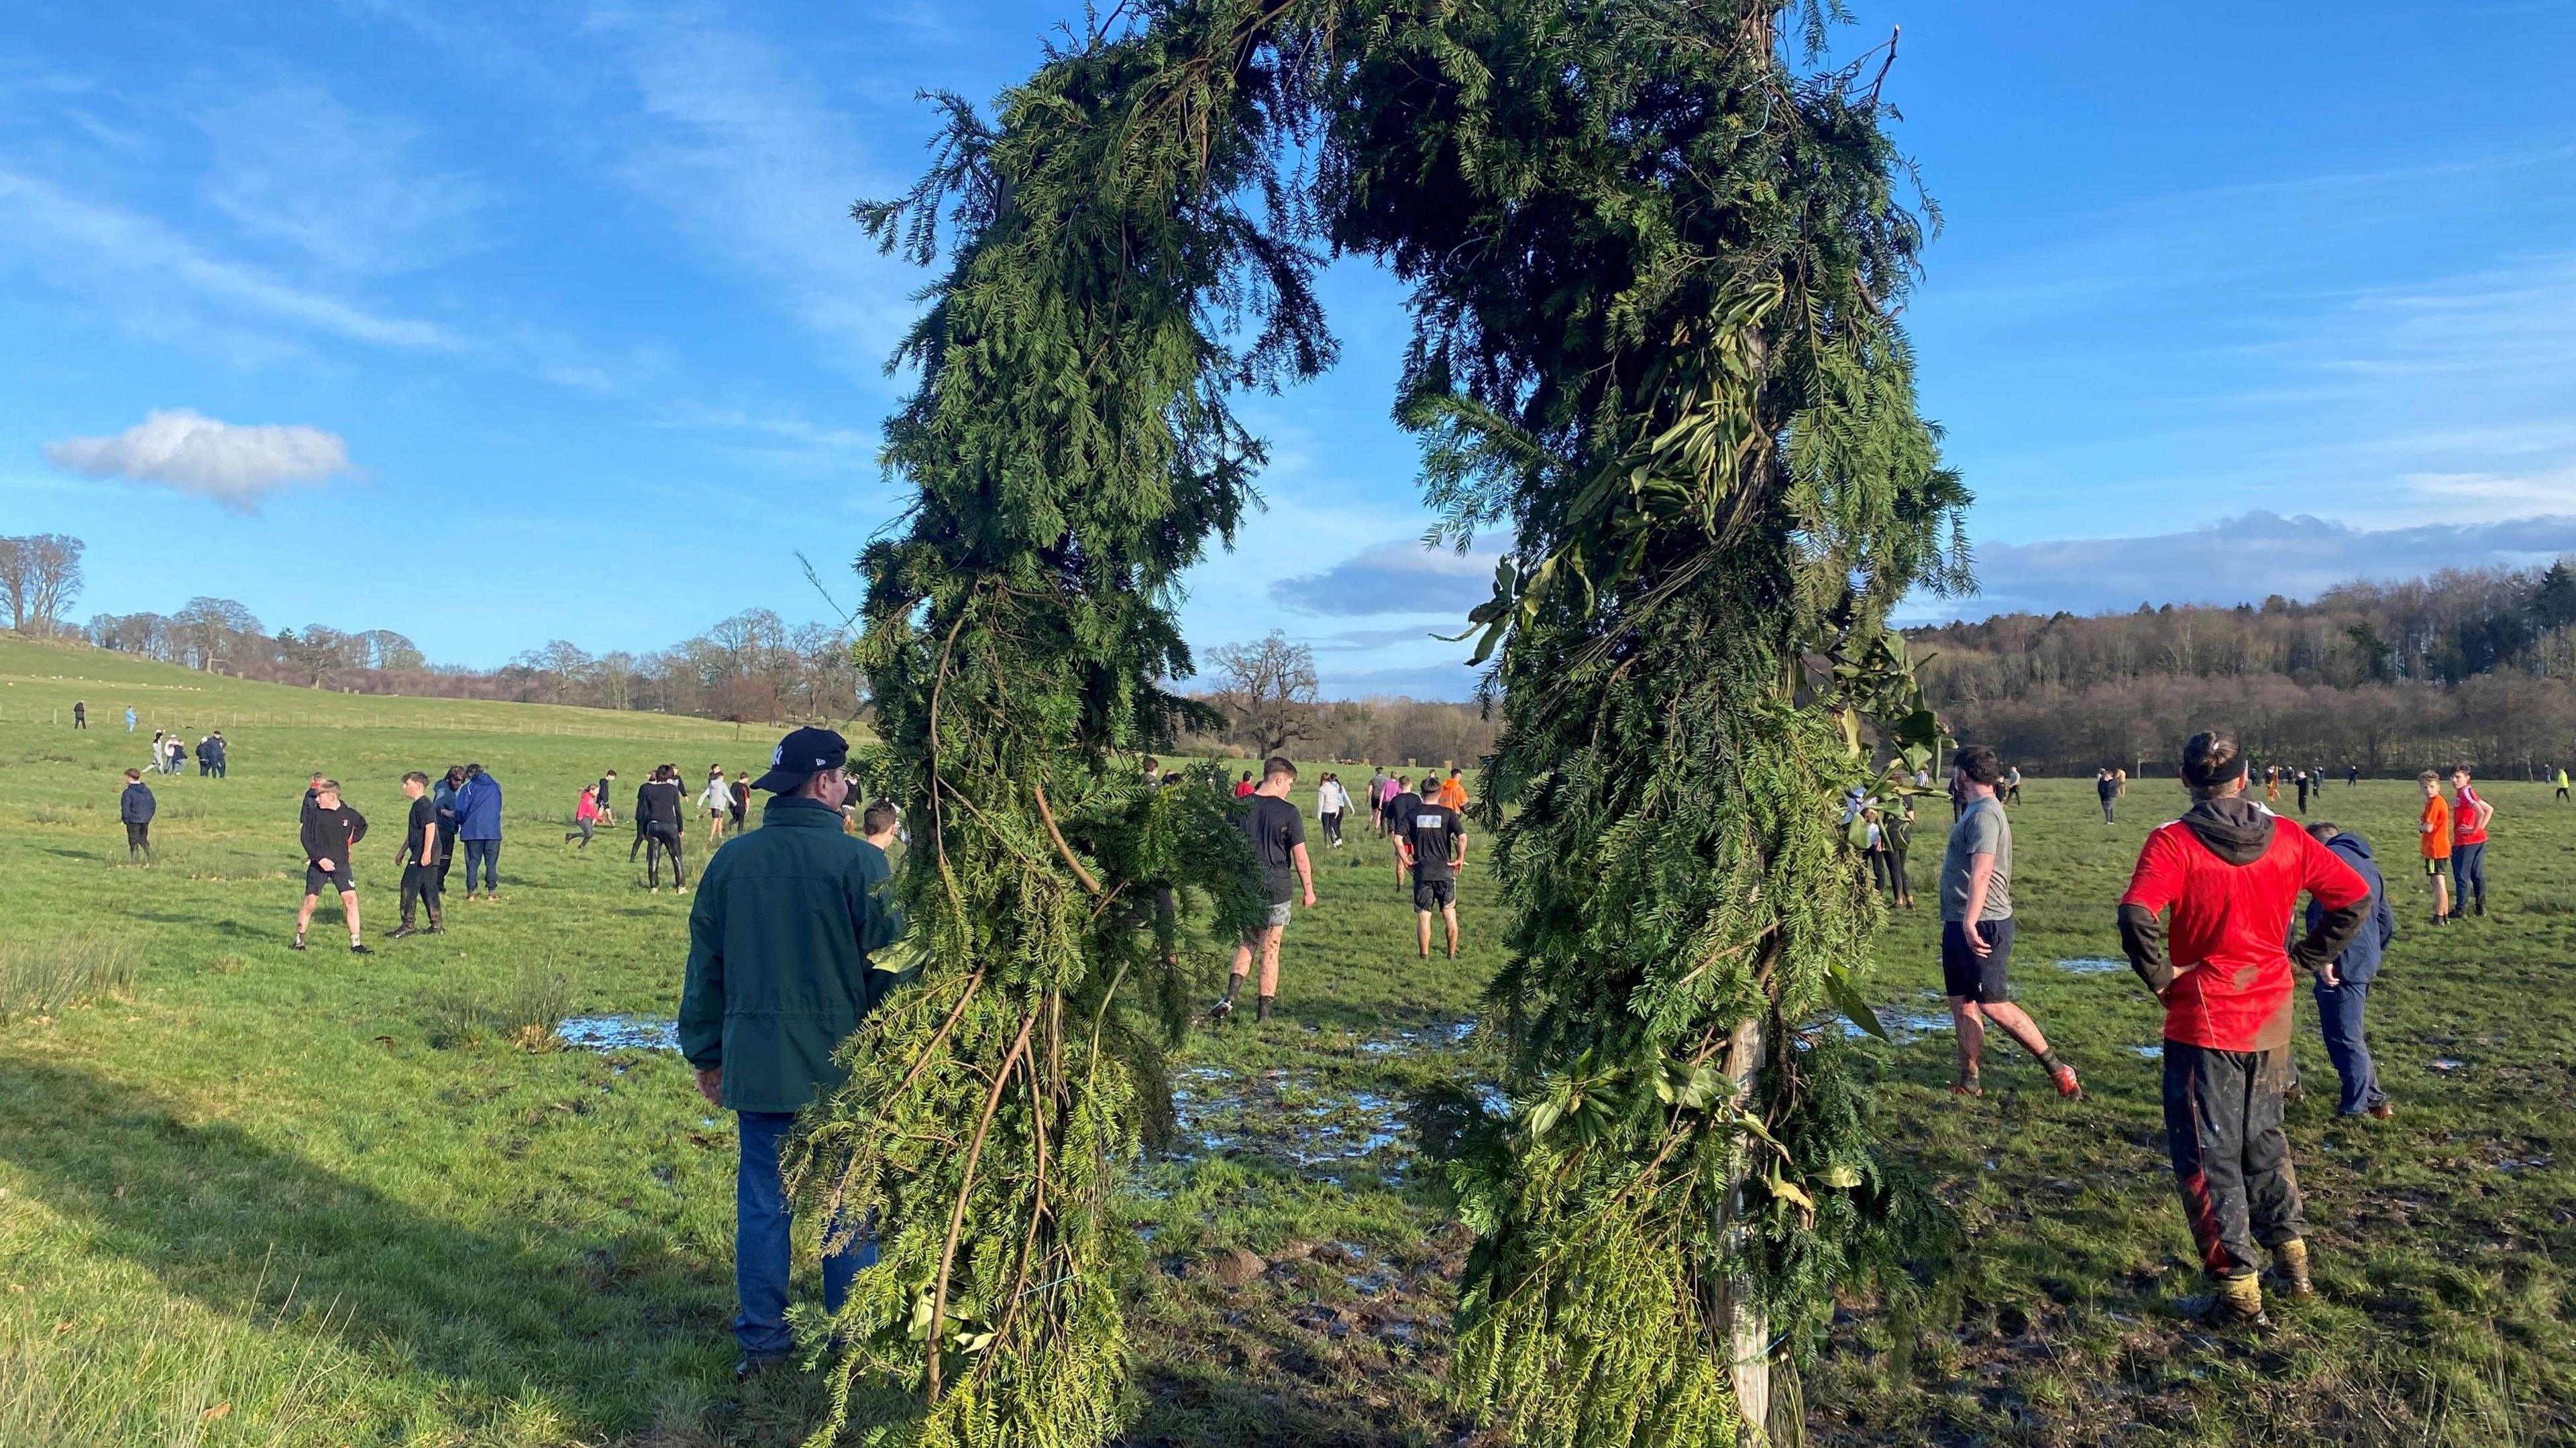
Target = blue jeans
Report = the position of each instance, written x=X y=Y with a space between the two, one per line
x=2339 y=1010
x=761 y=1253
x=489 y=852
x=2468 y=863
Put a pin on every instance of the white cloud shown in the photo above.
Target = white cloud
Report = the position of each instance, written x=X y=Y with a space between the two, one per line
x=1394 y=578
x=232 y=465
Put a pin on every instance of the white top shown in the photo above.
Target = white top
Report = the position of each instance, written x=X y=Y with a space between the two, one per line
x=718 y=795
x=1331 y=798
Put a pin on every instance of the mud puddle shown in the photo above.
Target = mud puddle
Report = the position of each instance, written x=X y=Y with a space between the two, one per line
x=619 y=1033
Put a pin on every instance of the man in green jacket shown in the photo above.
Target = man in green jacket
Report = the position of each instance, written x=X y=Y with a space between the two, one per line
x=778 y=978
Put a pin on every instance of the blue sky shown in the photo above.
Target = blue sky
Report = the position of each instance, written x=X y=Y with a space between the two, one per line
x=496 y=323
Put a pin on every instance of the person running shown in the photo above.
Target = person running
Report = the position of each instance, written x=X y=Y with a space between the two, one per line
x=2434 y=828
x=1432 y=839
x=1399 y=808
x=2230 y=872
x=779 y=976
x=2343 y=988
x=331 y=832
x=716 y=800
x=136 y=807
x=606 y=801
x=80 y=714
x=1331 y=802
x=419 y=860
x=585 y=817
x=1977 y=926
x=1278 y=832
x=2109 y=790
x=657 y=816
x=478 y=825
x=2469 y=816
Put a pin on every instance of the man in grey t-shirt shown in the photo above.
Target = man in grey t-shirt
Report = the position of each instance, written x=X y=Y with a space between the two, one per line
x=1977 y=925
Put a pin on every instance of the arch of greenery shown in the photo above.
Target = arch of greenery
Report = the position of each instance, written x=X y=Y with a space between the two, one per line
x=1654 y=255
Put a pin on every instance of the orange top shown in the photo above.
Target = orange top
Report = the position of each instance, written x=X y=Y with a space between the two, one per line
x=2437 y=840
x=1453 y=792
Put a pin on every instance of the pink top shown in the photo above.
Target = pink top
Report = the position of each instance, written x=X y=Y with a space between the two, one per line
x=589 y=807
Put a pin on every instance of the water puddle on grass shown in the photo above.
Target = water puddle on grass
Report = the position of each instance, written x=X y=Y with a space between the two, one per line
x=1284 y=1117
x=2447 y=1063
x=619 y=1033
x=1413 y=1040
x=1903 y=1027
x=2092 y=965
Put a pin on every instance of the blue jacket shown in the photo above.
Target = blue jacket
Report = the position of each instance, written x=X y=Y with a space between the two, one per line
x=2360 y=960
x=135 y=806
x=478 y=809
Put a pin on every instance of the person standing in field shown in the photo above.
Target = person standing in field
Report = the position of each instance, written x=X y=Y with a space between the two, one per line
x=222 y=751
x=585 y=817
x=1871 y=826
x=657 y=818
x=2343 y=988
x=2470 y=814
x=778 y=977
x=478 y=826
x=2300 y=781
x=2109 y=790
x=2012 y=785
x=606 y=801
x=136 y=807
x=1278 y=832
x=1977 y=927
x=330 y=833
x=1244 y=787
x=1377 y=793
x=2561 y=796
x=1432 y=839
x=80 y=714
x=1896 y=827
x=2434 y=829
x=1399 y=808
x=160 y=763
x=2230 y=872
x=717 y=802
x=419 y=859
x=1453 y=791
x=1331 y=803
x=443 y=795
x=129 y=718
x=738 y=812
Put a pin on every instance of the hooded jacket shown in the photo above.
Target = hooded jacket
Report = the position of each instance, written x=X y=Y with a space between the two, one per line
x=2230 y=871
x=478 y=808
x=2359 y=962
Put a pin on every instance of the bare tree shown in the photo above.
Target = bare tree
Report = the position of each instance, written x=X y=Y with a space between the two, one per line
x=1269 y=691
x=40 y=577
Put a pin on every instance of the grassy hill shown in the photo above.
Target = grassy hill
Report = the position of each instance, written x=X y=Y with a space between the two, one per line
x=249 y=1196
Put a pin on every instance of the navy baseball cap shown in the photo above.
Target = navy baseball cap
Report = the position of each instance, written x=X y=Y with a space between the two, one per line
x=800 y=756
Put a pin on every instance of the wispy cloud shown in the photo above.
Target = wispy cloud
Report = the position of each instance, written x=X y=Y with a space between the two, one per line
x=231 y=465
x=753 y=167
x=293 y=165
x=2237 y=560
x=148 y=276
x=1393 y=578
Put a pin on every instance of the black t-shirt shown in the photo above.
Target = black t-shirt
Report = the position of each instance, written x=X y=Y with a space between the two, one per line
x=657 y=805
x=1277 y=828
x=1400 y=807
x=423 y=824
x=1433 y=832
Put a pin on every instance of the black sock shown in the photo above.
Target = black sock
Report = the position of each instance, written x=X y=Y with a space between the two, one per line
x=2048 y=1060
x=1231 y=982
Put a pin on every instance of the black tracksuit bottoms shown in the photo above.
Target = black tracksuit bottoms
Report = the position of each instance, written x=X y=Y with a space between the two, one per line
x=2230 y=1156
x=420 y=887
x=655 y=842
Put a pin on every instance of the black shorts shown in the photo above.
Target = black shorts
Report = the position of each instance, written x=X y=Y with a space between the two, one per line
x=1964 y=976
x=1434 y=894
x=339 y=880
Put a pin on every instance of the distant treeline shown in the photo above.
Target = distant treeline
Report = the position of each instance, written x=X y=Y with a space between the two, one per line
x=1395 y=732
x=2394 y=677
x=751 y=667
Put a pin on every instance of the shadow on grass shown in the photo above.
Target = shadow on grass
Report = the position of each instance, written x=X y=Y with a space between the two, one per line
x=241 y=1225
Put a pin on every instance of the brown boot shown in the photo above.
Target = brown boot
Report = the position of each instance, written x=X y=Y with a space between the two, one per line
x=2290 y=1269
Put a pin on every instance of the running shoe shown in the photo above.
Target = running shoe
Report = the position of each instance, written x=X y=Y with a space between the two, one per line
x=2063 y=1078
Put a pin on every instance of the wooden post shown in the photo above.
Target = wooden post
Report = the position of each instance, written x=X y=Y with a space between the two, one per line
x=1748 y=1327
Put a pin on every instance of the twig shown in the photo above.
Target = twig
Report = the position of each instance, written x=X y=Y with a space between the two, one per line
x=1046 y=817
x=966 y=1189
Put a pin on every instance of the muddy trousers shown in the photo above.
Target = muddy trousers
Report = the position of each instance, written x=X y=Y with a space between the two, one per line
x=2230 y=1155
x=420 y=890
x=655 y=842
x=138 y=840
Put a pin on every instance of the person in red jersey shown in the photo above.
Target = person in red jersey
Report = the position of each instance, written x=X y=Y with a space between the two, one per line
x=2230 y=872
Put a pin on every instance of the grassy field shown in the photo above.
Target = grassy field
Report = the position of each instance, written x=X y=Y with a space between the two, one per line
x=252 y=1197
